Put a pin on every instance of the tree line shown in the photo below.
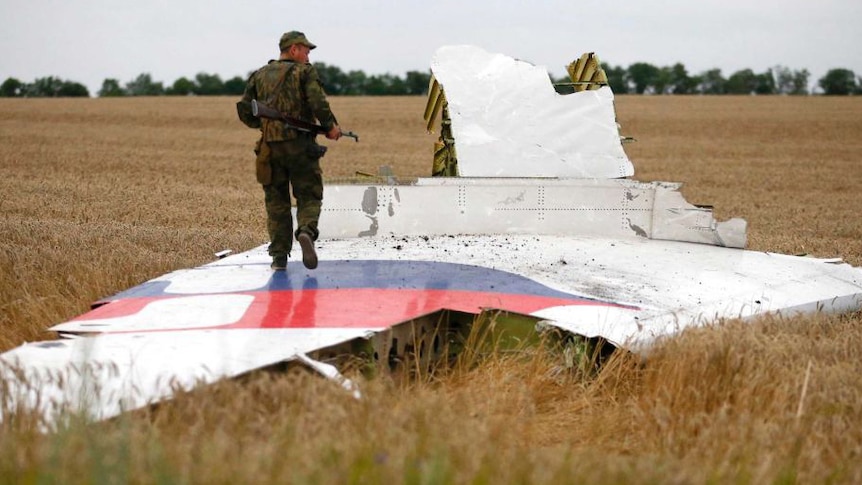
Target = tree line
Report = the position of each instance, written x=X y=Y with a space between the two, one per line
x=638 y=78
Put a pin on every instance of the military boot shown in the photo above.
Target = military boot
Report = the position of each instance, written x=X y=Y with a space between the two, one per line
x=279 y=262
x=309 y=256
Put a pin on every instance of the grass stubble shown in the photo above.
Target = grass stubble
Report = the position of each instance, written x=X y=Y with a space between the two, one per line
x=98 y=195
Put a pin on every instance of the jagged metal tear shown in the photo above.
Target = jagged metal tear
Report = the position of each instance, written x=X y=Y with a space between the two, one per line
x=508 y=121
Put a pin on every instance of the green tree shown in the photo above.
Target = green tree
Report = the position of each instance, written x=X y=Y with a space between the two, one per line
x=356 y=83
x=642 y=76
x=73 y=89
x=208 y=84
x=711 y=82
x=786 y=81
x=616 y=78
x=838 y=82
x=661 y=84
x=741 y=82
x=783 y=79
x=679 y=80
x=234 y=86
x=416 y=82
x=11 y=88
x=182 y=87
x=143 y=85
x=334 y=80
x=385 y=85
x=764 y=83
x=800 y=82
x=111 y=88
x=45 y=87
x=395 y=85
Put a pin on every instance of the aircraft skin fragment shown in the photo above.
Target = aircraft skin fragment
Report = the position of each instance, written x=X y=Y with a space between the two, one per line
x=107 y=374
x=143 y=343
x=331 y=372
x=542 y=206
x=508 y=121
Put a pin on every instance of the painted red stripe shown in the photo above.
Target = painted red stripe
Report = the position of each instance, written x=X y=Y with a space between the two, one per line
x=351 y=308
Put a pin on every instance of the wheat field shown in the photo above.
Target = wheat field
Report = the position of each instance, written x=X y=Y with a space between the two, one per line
x=98 y=195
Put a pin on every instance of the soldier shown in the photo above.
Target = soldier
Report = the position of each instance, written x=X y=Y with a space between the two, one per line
x=286 y=156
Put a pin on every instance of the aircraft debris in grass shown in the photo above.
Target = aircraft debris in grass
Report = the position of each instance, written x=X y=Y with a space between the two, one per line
x=536 y=219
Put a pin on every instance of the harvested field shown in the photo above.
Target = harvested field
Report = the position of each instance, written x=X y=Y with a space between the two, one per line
x=98 y=195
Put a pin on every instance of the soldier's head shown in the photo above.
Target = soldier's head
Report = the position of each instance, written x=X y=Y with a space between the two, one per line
x=295 y=46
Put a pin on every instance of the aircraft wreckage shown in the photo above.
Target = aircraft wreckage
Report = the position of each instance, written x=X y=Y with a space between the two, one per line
x=533 y=215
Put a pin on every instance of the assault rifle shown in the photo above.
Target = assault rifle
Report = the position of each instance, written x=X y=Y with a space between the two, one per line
x=261 y=110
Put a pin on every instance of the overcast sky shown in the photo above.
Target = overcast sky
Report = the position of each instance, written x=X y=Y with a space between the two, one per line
x=88 y=41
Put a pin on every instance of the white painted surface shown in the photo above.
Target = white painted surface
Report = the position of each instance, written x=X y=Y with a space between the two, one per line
x=198 y=311
x=104 y=375
x=670 y=286
x=539 y=206
x=508 y=121
x=675 y=284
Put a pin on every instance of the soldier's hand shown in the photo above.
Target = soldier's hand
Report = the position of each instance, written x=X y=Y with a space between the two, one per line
x=334 y=133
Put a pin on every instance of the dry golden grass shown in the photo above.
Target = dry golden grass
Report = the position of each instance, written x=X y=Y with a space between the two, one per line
x=790 y=166
x=98 y=195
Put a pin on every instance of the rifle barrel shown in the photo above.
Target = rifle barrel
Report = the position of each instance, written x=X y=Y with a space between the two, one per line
x=261 y=110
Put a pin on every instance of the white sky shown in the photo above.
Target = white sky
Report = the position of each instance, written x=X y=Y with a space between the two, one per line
x=88 y=41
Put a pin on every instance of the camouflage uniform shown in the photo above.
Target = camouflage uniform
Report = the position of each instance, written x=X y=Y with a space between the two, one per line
x=287 y=157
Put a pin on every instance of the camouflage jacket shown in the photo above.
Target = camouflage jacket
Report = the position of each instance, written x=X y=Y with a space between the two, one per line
x=293 y=88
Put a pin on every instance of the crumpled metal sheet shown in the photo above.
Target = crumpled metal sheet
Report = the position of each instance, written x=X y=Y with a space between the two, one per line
x=142 y=345
x=102 y=375
x=508 y=121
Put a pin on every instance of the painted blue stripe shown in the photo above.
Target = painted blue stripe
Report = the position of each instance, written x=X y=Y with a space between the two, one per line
x=387 y=274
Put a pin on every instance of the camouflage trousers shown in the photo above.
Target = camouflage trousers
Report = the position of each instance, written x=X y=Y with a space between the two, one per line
x=294 y=164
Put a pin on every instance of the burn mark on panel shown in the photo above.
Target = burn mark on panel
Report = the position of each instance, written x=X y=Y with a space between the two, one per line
x=513 y=200
x=369 y=201
x=631 y=196
x=396 y=197
x=50 y=345
x=369 y=207
x=372 y=228
x=637 y=229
